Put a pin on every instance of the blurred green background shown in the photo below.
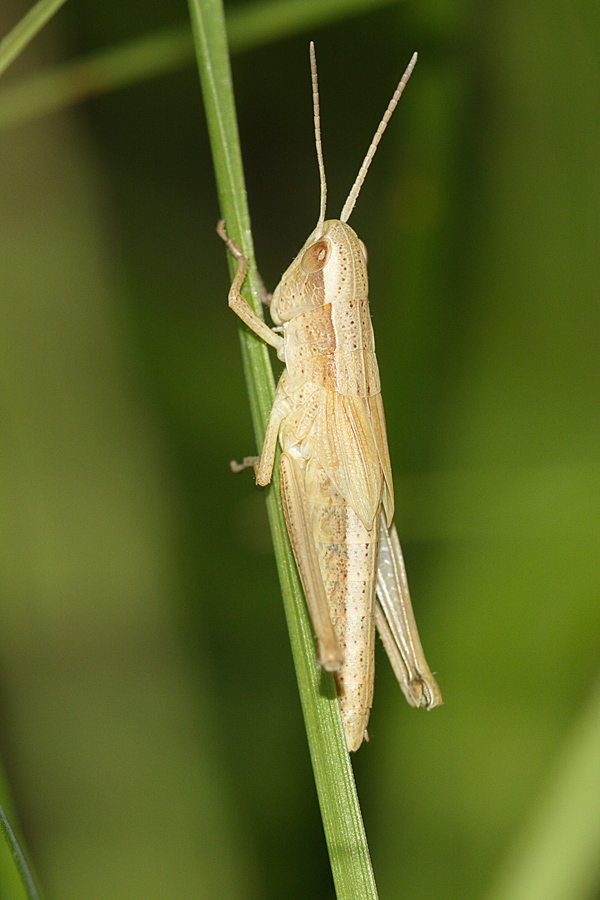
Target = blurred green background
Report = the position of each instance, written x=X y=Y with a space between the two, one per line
x=150 y=726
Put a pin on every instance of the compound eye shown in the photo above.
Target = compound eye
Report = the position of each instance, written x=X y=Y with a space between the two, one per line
x=315 y=257
x=364 y=251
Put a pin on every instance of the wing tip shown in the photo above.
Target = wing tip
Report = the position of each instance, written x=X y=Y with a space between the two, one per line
x=423 y=692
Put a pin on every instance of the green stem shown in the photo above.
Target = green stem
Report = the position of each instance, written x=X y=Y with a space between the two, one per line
x=18 y=38
x=342 y=820
x=19 y=858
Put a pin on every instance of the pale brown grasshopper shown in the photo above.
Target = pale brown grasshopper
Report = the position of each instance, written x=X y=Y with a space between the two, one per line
x=336 y=479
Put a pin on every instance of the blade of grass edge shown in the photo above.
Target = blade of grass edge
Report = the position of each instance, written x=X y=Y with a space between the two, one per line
x=340 y=810
x=19 y=858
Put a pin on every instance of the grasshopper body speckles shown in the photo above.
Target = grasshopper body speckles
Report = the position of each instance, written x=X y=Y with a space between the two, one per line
x=336 y=478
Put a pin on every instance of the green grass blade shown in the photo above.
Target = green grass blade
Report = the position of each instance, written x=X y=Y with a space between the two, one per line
x=342 y=820
x=556 y=858
x=19 y=857
x=23 y=32
x=163 y=51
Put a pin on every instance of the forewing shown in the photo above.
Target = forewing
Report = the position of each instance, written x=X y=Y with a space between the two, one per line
x=396 y=624
x=345 y=446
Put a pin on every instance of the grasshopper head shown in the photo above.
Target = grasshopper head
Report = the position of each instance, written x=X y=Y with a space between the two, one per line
x=332 y=265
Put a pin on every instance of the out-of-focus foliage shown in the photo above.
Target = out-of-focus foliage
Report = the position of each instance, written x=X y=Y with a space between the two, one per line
x=151 y=730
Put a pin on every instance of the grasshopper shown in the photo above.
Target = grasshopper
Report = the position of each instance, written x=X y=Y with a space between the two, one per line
x=336 y=478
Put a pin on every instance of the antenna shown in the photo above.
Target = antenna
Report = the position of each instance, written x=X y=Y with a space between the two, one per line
x=349 y=204
x=317 y=117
